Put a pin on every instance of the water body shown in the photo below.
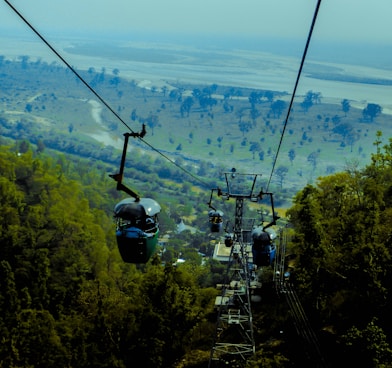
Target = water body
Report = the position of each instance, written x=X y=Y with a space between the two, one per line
x=268 y=65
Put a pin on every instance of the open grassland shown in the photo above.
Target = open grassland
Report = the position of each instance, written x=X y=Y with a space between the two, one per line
x=228 y=132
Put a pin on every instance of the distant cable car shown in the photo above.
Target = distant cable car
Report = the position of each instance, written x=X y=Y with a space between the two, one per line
x=263 y=247
x=215 y=220
x=137 y=228
x=229 y=240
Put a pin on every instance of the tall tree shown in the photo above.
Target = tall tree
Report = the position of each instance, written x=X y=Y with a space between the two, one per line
x=186 y=106
x=312 y=159
x=345 y=106
x=245 y=127
x=152 y=122
x=254 y=147
x=277 y=107
x=371 y=111
x=281 y=173
x=291 y=155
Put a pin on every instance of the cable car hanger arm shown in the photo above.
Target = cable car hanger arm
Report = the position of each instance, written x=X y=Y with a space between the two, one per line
x=219 y=193
x=274 y=216
x=119 y=177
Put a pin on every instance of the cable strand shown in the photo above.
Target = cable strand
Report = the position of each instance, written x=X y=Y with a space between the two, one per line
x=67 y=64
x=295 y=89
x=140 y=138
x=98 y=95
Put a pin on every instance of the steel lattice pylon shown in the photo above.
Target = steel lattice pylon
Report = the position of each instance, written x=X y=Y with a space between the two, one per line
x=234 y=341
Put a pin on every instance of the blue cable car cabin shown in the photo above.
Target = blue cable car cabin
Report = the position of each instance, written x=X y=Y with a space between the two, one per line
x=263 y=248
x=137 y=228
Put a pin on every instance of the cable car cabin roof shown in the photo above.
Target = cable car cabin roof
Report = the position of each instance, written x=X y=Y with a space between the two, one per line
x=271 y=232
x=129 y=208
x=259 y=232
x=217 y=213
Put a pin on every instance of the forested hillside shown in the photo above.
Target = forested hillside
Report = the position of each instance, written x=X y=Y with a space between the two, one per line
x=344 y=270
x=67 y=299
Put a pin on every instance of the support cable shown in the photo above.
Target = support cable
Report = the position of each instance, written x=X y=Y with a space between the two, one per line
x=98 y=96
x=67 y=64
x=295 y=89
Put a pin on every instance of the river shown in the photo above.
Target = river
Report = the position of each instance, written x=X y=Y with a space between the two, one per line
x=237 y=68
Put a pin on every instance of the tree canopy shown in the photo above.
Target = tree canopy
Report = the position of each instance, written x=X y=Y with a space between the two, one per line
x=343 y=241
x=67 y=299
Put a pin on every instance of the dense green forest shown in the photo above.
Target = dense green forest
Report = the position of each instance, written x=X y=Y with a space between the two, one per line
x=343 y=238
x=68 y=300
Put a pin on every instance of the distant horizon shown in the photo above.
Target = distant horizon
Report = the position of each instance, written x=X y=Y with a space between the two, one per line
x=344 y=52
x=231 y=63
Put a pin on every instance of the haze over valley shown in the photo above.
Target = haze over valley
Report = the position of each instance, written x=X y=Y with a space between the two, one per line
x=251 y=65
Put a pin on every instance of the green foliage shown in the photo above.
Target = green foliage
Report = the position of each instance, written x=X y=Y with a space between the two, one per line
x=368 y=346
x=268 y=359
x=342 y=239
x=66 y=297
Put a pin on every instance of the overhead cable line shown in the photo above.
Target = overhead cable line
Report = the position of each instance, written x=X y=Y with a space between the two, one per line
x=67 y=64
x=98 y=95
x=295 y=88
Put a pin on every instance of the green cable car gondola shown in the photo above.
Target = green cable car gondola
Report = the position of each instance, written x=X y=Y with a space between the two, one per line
x=215 y=220
x=137 y=226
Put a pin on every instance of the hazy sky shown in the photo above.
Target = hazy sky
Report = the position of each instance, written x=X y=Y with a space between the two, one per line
x=338 y=20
